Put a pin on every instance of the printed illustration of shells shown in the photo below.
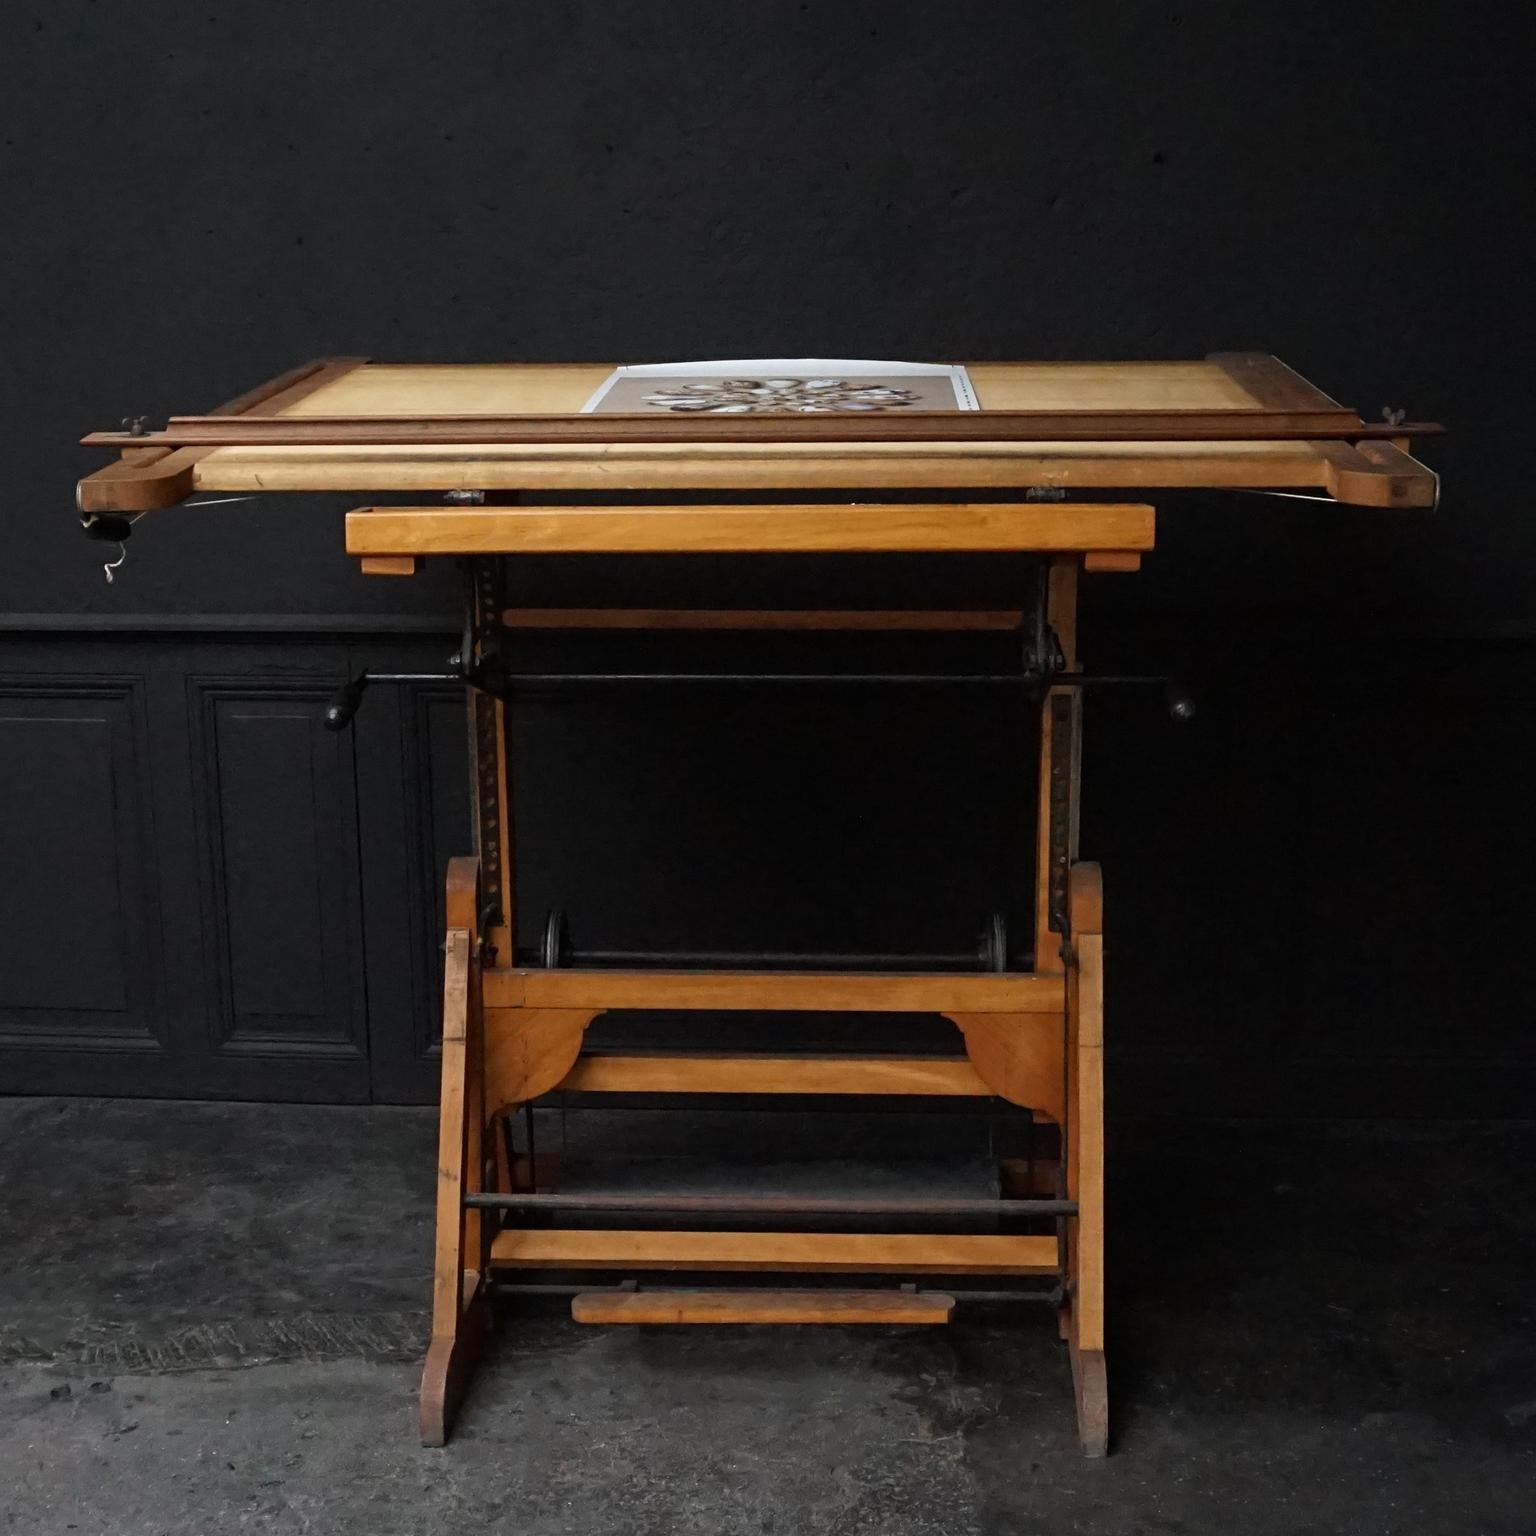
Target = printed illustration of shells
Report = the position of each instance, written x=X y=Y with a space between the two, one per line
x=737 y=397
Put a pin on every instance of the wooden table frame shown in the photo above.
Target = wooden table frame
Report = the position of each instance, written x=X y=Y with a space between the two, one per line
x=1035 y=1039
x=998 y=480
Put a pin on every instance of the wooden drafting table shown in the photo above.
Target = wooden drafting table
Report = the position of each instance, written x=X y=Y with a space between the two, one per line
x=1058 y=465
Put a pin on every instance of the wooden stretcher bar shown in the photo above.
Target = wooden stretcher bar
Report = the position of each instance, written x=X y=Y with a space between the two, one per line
x=674 y=1306
x=1338 y=469
x=867 y=1253
x=634 y=1072
x=775 y=528
x=781 y=991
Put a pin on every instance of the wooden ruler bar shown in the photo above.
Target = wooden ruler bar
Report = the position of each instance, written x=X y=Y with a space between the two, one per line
x=1233 y=424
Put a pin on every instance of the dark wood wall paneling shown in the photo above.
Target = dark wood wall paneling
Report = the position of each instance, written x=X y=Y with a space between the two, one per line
x=1315 y=890
x=194 y=901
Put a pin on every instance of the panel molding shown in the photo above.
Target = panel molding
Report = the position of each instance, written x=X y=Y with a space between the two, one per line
x=231 y=1031
x=62 y=875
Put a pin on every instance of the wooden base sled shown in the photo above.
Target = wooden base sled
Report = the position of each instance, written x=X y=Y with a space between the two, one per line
x=511 y=1035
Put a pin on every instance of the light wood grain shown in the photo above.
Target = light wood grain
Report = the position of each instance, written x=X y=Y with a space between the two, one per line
x=1377 y=475
x=1019 y=1056
x=624 y=1072
x=446 y=389
x=426 y=389
x=528 y=1051
x=779 y=468
x=143 y=481
x=390 y=565
x=779 y=527
x=731 y=529
x=845 y=1252
x=758 y=1305
x=765 y=991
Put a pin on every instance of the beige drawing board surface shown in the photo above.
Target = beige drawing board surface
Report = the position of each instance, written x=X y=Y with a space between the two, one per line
x=451 y=389
x=1379 y=473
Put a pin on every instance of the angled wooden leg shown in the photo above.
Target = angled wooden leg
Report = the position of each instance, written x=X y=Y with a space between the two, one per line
x=460 y=1306
x=1085 y=1159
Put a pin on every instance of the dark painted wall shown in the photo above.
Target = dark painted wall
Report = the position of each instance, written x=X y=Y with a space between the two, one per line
x=197 y=197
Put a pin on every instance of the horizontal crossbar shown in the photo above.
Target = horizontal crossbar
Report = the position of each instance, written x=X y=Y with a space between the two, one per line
x=764 y=529
x=773 y=1205
x=1226 y=424
x=770 y=991
x=845 y=1252
x=622 y=1072
x=765 y=618
x=762 y=1306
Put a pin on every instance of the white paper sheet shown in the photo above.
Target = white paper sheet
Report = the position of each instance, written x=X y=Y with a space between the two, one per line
x=776 y=385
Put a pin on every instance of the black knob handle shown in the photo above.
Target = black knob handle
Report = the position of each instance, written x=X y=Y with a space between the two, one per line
x=344 y=703
x=1179 y=702
x=108 y=527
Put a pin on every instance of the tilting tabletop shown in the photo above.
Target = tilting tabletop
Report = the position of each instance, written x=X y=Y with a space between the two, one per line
x=1239 y=420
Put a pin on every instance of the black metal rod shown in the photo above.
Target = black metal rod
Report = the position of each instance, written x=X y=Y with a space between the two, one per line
x=771 y=1205
x=1051 y=1296
x=732 y=959
x=896 y=679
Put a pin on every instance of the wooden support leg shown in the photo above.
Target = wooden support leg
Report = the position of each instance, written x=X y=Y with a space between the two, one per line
x=1085 y=1159
x=461 y=1312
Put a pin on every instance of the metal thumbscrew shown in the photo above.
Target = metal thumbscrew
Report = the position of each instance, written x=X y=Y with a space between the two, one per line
x=1179 y=702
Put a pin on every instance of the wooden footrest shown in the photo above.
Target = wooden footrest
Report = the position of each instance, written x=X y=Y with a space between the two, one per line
x=850 y=1252
x=762 y=1306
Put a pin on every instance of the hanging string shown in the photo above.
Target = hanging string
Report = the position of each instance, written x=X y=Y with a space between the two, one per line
x=122 y=553
x=113 y=566
x=1248 y=490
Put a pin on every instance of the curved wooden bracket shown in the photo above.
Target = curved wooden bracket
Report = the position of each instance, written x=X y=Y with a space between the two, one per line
x=1019 y=1056
x=528 y=1051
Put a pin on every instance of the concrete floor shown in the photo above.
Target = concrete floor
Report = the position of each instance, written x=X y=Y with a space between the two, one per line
x=210 y=1321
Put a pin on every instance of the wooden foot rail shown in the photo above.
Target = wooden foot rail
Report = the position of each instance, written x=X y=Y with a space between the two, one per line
x=762 y=1306
x=868 y=1253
